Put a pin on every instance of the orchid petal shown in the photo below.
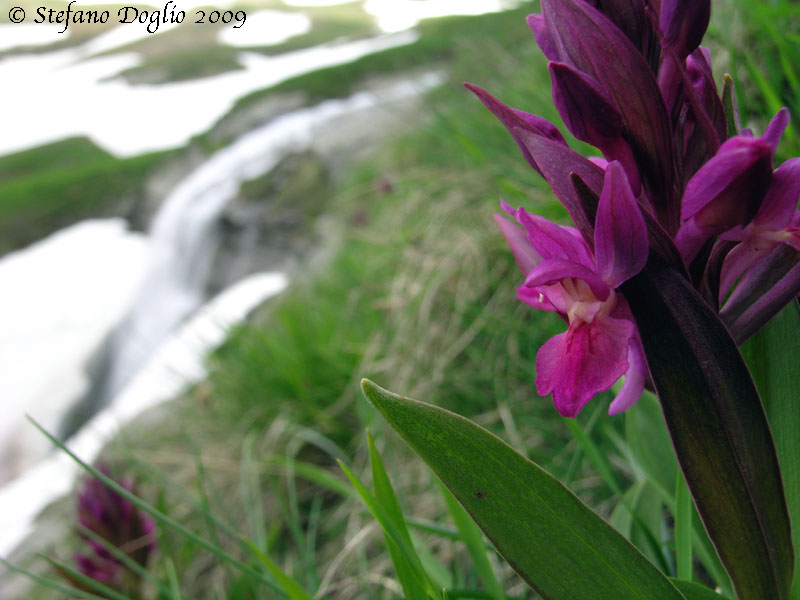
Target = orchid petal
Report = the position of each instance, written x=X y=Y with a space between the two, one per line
x=554 y=270
x=536 y=298
x=583 y=361
x=554 y=241
x=698 y=68
x=689 y=239
x=762 y=292
x=780 y=205
x=620 y=234
x=599 y=161
x=629 y=16
x=635 y=378
x=524 y=253
x=775 y=129
x=591 y=116
x=767 y=306
x=584 y=106
x=728 y=190
x=741 y=258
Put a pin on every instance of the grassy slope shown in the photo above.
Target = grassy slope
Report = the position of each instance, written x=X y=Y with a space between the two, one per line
x=49 y=187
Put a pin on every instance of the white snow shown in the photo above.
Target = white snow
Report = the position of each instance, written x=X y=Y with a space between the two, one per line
x=30 y=34
x=266 y=28
x=129 y=120
x=59 y=299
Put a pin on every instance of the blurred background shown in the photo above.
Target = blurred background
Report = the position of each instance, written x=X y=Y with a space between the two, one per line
x=209 y=232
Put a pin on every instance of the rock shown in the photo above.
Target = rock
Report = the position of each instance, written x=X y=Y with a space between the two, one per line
x=270 y=224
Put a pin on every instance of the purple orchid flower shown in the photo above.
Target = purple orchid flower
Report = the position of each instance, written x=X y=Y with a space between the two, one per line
x=641 y=90
x=563 y=275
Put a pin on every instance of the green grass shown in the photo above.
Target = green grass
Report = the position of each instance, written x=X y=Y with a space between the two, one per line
x=56 y=185
x=64 y=154
x=182 y=65
x=769 y=78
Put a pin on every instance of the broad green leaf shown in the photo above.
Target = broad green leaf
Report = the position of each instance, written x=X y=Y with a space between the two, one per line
x=695 y=591
x=554 y=541
x=473 y=539
x=719 y=430
x=384 y=494
x=773 y=355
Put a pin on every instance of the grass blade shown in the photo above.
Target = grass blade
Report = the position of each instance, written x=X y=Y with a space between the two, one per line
x=385 y=495
x=159 y=516
x=293 y=589
x=392 y=533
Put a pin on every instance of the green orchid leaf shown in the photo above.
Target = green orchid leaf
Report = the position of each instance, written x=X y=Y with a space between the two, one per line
x=554 y=541
x=473 y=539
x=772 y=355
x=718 y=428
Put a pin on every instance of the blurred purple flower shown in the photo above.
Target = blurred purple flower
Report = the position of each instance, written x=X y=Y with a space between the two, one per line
x=114 y=518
